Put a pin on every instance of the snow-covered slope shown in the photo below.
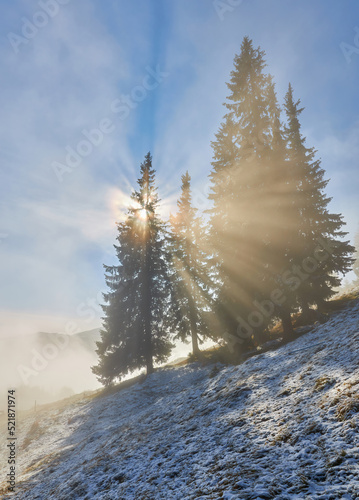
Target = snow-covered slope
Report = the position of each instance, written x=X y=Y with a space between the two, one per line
x=282 y=425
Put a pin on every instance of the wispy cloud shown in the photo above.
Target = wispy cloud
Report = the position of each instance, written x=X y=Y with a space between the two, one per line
x=59 y=84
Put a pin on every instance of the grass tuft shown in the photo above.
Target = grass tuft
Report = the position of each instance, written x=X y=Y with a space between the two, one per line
x=347 y=407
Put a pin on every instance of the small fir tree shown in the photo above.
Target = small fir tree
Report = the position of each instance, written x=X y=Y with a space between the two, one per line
x=135 y=327
x=190 y=277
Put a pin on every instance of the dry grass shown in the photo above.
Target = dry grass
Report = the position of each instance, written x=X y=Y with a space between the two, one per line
x=323 y=382
x=284 y=436
x=34 y=432
x=346 y=407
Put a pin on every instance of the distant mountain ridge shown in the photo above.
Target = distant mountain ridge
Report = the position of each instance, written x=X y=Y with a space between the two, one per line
x=88 y=338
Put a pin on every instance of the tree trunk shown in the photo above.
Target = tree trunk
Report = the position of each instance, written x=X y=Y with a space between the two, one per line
x=149 y=365
x=195 y=347
x=192 y=304
x=321 y=305
x=286 y=323
x=305 y=316
x=147 y=310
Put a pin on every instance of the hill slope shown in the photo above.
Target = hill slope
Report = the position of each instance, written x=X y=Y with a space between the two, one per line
x=283 y=425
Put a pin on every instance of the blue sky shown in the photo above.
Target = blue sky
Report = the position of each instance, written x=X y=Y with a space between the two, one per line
x=76 y=67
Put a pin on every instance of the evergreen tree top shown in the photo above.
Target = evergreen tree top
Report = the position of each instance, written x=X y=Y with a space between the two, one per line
x=292 y=130
x=248 y=70
x=185 y=199
x=147 y=180
x=186 y=215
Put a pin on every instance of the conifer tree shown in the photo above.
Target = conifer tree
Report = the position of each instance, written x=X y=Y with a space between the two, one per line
x=241 y=196
x=317 y=226
x=220 y=239
x=269 y=208
x=135 y=329
x=280 y=215
x=190 y=277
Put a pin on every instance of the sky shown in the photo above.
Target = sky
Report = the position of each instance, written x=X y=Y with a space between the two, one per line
x=146 y=75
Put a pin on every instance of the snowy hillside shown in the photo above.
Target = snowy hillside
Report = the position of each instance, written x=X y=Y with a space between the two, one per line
x=282 y=425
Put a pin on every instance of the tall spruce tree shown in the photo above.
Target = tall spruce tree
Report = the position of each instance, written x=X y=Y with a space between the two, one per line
x=135 y=332
x=281 y=218
x=318 y=229
x=220 y=239
x=269 y=209
x=242 y=219
x=190 y=277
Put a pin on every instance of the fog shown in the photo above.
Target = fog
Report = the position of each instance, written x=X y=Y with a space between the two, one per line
x=45 y=367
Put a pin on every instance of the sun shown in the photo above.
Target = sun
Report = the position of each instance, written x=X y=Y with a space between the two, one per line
x=142 y=214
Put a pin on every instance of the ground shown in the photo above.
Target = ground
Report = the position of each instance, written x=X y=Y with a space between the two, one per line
x=281 y=425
